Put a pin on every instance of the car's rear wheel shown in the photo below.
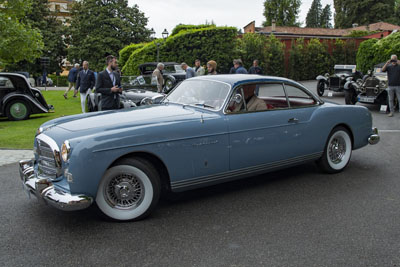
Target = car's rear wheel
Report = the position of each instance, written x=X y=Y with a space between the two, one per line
x=129 y=190
x=17 y=110
x=337 y=152
x=320 y=87
x=350 y=96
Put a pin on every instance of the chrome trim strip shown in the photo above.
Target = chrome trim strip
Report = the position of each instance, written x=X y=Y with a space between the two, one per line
x=231 y=175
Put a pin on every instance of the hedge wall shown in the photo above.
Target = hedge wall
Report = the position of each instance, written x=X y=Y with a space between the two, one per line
x=184 y=27
x=373 y=51
x=216 y=43
x=365 y=55
x=126 y=52
x=59 y=80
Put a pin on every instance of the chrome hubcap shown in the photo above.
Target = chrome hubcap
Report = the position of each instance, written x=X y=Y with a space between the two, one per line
x=124 y=191
x=337 y=149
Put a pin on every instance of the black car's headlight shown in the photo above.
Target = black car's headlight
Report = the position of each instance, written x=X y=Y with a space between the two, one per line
x=65 y=151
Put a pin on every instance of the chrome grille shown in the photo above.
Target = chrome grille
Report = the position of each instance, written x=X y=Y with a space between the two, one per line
x=371 y=83
x=47 y=163
x=370 y=86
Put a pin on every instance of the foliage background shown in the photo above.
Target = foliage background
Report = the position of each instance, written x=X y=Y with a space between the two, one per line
x=211 y=43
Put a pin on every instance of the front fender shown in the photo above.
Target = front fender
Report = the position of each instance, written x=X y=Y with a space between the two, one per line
x=321 y=77
x=351 y=84
x=28 y=98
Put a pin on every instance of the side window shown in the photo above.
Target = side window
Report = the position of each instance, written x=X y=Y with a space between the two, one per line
x=299 y=98
x=273 y=95
x=6 y=83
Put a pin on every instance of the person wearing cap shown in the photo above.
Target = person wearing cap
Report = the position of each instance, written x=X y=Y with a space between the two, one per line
x=212 y=67
x=238 y=66
x=189 y=71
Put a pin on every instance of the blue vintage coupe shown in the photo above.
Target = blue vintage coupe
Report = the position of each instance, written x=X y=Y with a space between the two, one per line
x=208 y=130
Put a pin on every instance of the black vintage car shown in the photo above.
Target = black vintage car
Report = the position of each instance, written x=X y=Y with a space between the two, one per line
x=18 y=100
x=172 y=73
x=336 y=82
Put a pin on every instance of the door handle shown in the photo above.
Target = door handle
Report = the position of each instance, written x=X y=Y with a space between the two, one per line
x=293 y=120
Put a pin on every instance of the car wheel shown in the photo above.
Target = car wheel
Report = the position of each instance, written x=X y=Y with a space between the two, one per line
x=350 y=97
x=337 y=151
x=129 y=190
x=17 y=110
x=320 y=87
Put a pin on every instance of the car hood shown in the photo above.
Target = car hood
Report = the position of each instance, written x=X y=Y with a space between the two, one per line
x=117 y=119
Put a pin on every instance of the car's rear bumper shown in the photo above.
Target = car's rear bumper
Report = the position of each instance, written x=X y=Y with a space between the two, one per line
x=374 y=138
x=46 y=192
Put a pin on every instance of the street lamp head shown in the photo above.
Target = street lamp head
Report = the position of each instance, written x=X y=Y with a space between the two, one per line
x=165 y=34
x=152 y=33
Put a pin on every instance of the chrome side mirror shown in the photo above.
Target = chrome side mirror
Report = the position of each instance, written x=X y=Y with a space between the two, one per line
x=146 y=101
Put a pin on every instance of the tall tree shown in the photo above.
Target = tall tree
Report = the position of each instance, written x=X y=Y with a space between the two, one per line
x=100 y=28
x=363 y=12
x=53 y=32
x=313 y=18
x=18 y=41
x=326 y=16
x=283 y=12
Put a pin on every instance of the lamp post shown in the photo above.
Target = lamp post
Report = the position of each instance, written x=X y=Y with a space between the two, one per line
x=164 y=35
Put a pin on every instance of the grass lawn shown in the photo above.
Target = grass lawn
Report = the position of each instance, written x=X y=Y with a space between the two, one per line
x=20 y=134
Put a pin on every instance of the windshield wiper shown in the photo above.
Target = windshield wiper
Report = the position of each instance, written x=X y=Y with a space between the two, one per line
x=203 y=105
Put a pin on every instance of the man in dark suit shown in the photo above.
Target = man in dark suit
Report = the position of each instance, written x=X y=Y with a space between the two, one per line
x=85 y=82
x=109 y=85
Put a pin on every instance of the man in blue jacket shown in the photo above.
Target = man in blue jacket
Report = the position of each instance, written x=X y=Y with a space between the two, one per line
x=85 y=82
x=238 y=67
x=73 y=73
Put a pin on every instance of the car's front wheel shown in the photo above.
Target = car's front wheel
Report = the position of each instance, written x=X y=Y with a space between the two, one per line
x=129 y=190
x=350 y=96
x=337 y=152
x=320 y=87
x=17 y=110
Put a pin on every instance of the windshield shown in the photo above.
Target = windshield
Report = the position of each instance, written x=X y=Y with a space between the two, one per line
x=207 y=94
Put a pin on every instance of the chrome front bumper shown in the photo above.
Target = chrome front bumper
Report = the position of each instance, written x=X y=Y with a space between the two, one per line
x=45 y=191
x=374 y=138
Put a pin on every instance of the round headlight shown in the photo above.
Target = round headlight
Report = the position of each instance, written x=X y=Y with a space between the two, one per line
x=65 y=151
x=39 y=130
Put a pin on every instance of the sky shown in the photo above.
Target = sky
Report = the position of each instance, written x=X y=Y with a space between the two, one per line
x=166 y=14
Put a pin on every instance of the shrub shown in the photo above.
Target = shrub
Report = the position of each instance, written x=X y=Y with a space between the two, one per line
x=297 y=60
x=386 y=47
x=125 y=53
x=275 y=56
x=216 y=43
x=59 y=80
x=365 y=55
x=252 y=46
x=184 y=27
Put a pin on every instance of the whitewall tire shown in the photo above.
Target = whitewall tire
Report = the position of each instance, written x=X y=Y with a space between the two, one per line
x=129 y=190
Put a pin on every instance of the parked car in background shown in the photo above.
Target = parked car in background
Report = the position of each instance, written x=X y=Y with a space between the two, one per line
x=203 y=133
x=372 y=89
x=18 y=99
x=172 y=73
x=336 y=81
x=128 y=98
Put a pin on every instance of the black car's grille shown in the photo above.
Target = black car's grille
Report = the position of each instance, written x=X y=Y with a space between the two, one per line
x=46 y=162
x=334 y=82
x=370 y=87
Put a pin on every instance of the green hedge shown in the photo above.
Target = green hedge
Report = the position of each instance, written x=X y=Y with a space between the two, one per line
x=184 y=27
x=307 y=61
x=344 y=52
x=214 y=43
x=59 y=80
x=373 y=51
x=126 y=52
x=365 y=55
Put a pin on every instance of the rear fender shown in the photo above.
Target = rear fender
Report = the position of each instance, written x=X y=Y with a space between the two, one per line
x=322 y=78
x=33 y=103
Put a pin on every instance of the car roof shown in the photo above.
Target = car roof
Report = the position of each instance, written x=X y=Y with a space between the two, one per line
x=236 y=79
x=12 y=74
x=155 y=64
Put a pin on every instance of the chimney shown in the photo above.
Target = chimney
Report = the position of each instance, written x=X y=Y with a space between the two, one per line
x=273 y=26
x=355 y=25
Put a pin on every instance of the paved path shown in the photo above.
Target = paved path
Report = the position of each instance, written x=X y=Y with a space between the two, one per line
x=12 y=156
